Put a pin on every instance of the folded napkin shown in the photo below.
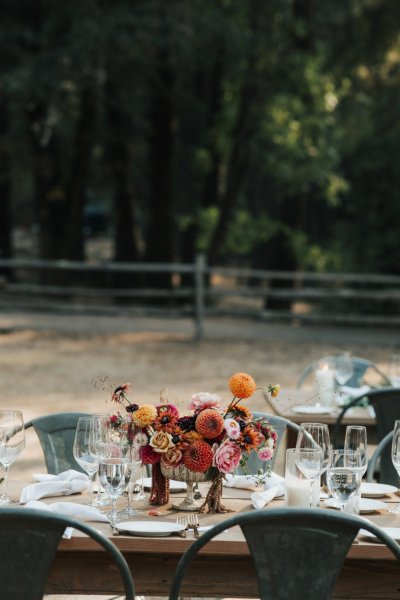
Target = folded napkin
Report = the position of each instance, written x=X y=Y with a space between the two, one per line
x=354 y=392
x=64 y=484
x=70 y=509
x=261 y=499
x=249 y=482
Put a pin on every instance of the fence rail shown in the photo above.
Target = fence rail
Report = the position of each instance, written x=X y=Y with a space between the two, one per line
x=336 y=297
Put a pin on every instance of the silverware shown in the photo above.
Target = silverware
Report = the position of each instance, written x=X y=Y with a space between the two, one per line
x=193 y=523
x=182 y=521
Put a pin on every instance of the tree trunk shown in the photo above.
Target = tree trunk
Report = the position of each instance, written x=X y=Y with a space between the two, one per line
x=79 y=171
x=5 y=185
x=161 y=230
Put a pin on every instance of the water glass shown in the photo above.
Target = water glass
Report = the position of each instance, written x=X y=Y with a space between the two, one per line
x=313 y=452
x=12 y=442
x=396 y=459
x=114 y=474
x=356 y=440
x=85 y=451
x=343 y=476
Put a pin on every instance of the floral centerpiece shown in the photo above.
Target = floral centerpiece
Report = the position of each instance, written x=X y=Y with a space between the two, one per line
x=210 y=440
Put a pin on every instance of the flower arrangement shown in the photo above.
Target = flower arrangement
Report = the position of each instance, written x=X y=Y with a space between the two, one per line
x=210 y=439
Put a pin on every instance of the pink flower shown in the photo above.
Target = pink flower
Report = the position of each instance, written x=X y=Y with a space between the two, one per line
x=203 y=400
x=226 y=456
x=265 y=453
x=232 y=428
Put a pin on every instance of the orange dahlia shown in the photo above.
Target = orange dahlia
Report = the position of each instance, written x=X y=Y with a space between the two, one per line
x=242 y=385
x=242 y=411
x=198 y=457
x=144 y=415
x=209 y=423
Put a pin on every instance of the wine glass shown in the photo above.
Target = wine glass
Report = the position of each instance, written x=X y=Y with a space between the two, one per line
x=343 y=475
x=85 y=451
x=129 y=452
x=102 y=440
x=313 y=452
x=12 y=442
x=344 y=368
x=356 y=440
x=396 y=458
x=114 y=474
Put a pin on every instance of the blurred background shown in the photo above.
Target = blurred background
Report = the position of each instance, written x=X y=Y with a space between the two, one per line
x=262 y=136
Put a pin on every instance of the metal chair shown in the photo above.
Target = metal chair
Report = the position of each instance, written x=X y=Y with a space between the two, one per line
x=297 y=553
x=56 y=434
x=386 y=403
x=365 y=372
x=280 y=424
x=28 y=544
x=384 y=444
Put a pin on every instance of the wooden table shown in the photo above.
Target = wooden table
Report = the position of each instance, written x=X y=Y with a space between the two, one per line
x=223 y=568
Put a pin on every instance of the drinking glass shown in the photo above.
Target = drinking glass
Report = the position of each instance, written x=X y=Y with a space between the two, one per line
x=12 y=442
x=344 y=368
x=114 y=474
x=356 y=440
x=313 y=452
x=396 y=459
x=102 y=440
x=130 y=453
x=343 y=475
x=85 y=451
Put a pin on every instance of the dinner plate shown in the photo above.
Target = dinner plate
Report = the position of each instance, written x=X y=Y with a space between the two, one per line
x=312 y=410
x=366 y=505
x=376 y=490
x=174 y=486
x=150 y=528
x=393 y=532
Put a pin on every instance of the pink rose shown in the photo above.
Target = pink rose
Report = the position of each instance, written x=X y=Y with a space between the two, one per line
x=203 y=400
x=265 y=453
x=226 y=456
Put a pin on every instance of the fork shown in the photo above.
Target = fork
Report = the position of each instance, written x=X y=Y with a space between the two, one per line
x=193 y=523
x=183 y=521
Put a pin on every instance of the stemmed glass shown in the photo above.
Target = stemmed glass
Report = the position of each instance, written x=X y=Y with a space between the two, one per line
x=114 y=474
x=130 y=453
x=356 y=440
x=343 y=475
x=85 y=451
x=12 y=442
x=396 y=459
x=313 y=452
x=344 y=368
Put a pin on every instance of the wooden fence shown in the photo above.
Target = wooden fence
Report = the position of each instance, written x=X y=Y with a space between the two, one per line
x=200 y=290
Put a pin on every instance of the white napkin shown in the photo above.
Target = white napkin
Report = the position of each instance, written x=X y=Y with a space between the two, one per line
x=70 y=509
x=354 y=392
x=249 y=482
x=260 y=499
x=64 y=484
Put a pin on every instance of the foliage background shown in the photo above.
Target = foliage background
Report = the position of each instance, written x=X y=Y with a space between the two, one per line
x=263 y=133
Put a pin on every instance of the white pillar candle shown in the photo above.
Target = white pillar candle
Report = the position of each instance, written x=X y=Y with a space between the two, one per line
x=325 y=384
x=298 y=492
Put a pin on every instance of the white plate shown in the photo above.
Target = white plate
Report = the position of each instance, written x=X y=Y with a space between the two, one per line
x=366 y=505
x=376 y=490
x=174 y=486
x=393 y=532
x=312 y=410
x=150 y=528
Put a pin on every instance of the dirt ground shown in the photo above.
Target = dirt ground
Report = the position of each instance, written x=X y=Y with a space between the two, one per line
x=53 y=362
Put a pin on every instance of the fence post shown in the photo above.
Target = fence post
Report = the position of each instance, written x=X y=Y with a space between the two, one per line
x=199 y=271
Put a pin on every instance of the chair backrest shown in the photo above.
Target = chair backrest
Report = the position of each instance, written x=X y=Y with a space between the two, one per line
x=280 y=424
x=28 y=544
x=383 y=444
x=56 y=433
x=365 y=372
x=386 y=404
x=297 y=553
